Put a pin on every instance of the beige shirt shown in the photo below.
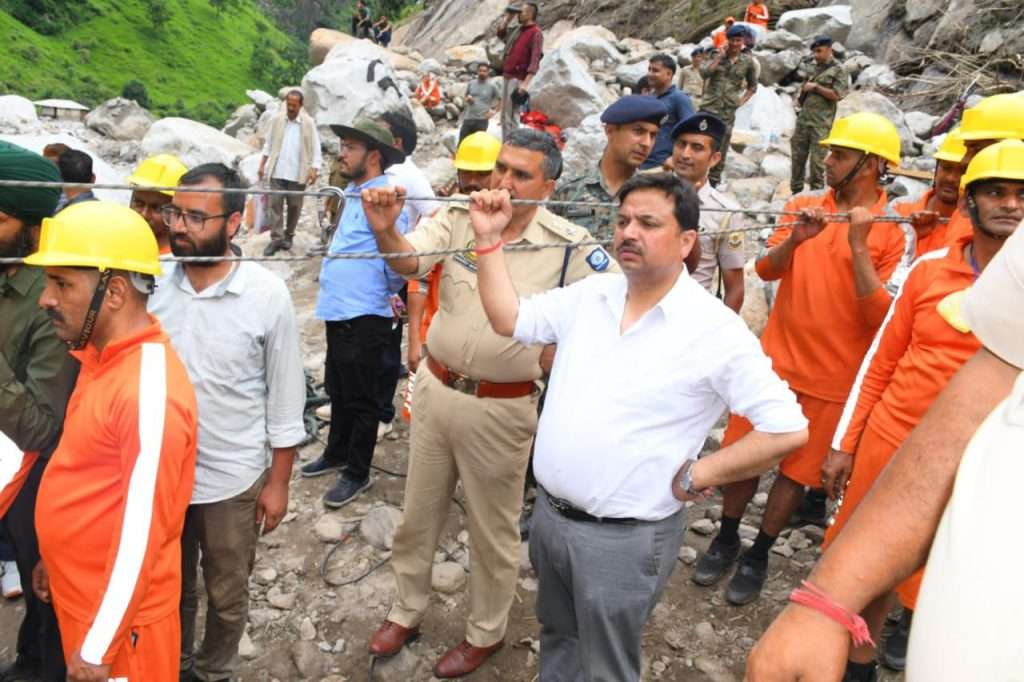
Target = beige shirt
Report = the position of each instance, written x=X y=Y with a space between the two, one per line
x=724 y=249
x=461 y=338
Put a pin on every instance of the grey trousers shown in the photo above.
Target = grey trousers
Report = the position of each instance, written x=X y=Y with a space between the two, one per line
x=598 y=584
x=221 y=538
x=509 y=111
x=277 y=204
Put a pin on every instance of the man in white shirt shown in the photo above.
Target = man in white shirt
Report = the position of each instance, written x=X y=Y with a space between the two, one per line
x=234 y=327
x=616 y=450
x=292 y=157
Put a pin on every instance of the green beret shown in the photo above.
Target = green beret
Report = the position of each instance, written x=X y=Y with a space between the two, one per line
x=28 y=204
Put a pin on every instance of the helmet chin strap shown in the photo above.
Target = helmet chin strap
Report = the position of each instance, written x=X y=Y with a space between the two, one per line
x=853 y=173
x=94 y=309
x=972 y=210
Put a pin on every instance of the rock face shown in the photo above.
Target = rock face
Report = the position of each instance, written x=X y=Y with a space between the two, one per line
x=584 y=148
x=452 y=22
x=564 y=89
x=352 y=83
x=835 y=21
x=590 y=43
x=629 y=74
x=465 y=55
x=120 y=119
x=323 y=41
x=876 y=76
x=193 y=142
x=17 y=114
x=781 y=40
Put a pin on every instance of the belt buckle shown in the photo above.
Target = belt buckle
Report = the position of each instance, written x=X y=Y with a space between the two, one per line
x=464 y=384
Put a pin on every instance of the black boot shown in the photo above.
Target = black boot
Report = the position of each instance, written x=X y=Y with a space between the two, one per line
x=894 y=651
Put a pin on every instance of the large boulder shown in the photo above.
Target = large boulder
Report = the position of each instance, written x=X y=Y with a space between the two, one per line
x=453 y=22
x=629 y=74
x=120 y=118
x=835 y=21
x=775 y=66
x=261 y=98
x=193 y=142
x=584 y=148
x=591 y=43
x=876 y=102
x=243 y=120
x=17 y=114
x=323 y=42
x=877 y=76
x=781 y=40
x=465 y=55
x=920 y=123
x=351 y=84
x=768 y=112
x=564 y=89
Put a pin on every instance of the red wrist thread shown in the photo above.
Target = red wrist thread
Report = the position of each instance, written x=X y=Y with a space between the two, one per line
x=814 y=598
x=490 y=249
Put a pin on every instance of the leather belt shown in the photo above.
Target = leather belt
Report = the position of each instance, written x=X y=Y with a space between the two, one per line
x=574 y=514
x=478 y=387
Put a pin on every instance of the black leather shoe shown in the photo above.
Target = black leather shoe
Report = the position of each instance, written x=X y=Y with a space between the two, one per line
x=713 y=565
x=344 y=491
x=745 y=586
x=22 y=670
x=272 y=248
x=894 y=651
x=319 y=467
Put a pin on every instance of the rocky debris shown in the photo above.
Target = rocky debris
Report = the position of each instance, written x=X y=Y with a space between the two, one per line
x=244 y=118
x=378 y=528
x=766 y=111
x=835 y=21
x=876 y=76
x=328 y=528
x=308 y=660
x=564 y=89
x=776 y=66
x=867 y=100
x=627 y=75
x=584 y=149
x=703 y=526
x=193 y=142
x=739 y=166
x=307 y=631
x=120 y=119
x=465 y=55
x=262 y=99
x=448 y=577
x=17 y=114
x=590 y=43
x=404 y=666
x=453 y=22
x=687 y=555
x=920 y=123
x=246 y=649
x=781 y=39
x=777 y=166
x=440 y=172
x=714 y=669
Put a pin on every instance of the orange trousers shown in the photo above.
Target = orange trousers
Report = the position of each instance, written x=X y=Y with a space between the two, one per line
x=150 y=653
x=803 y=465
x=872 y=456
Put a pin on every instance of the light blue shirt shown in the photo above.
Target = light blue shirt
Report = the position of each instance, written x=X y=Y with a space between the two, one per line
x=351 y=288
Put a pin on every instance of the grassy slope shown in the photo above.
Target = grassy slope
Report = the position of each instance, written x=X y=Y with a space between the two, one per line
x=197 y=57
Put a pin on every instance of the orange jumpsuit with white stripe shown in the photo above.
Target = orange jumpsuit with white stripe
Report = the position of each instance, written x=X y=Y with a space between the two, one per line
x=819 y=329
x=916 y=352
x=112 y=504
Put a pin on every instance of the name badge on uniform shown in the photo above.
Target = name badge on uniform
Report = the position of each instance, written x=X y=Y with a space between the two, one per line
x=598 y=260
x=468 y=259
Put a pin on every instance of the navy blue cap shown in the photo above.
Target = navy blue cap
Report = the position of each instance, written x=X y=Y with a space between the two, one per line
x=703 y=124
x=736 y=31
x=822 y=40
x=635 y=108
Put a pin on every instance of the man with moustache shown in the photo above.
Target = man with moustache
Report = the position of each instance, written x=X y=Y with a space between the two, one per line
x=631 y=126
x=162 y=170
x=697 y=149
x=234 y=327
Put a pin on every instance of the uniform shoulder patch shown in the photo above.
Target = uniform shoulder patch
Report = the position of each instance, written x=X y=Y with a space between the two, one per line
x=598 y=260
x=736 y=240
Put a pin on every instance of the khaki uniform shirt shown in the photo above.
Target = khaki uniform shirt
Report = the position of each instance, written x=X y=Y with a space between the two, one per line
x=598 y=221
x=724 y=246
x=726 y=84
x=815 y=110
x=692 y=83
x=461 y=337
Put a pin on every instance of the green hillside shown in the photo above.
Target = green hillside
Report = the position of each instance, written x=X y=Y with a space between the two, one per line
x=193 y=60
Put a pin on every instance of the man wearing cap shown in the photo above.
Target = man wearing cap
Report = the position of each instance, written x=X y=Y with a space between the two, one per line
x=824 y=319
x=826 y=84
x=36 y=378
x=730 y=80
x=698 y=142
x=476 y=396
x=112 y=501
x=162 y=170
x=292 y=158
x=631 y=126
x=661 y=72
x=354 y=303
x=524 y=47
x=690 y=80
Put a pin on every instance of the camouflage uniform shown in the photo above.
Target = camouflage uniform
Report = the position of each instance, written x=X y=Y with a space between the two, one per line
x=813 y=123
x=598 y=221
x=692 y=83
x=723 y=89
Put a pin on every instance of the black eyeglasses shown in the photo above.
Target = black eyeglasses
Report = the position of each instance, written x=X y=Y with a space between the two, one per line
x=194 y=220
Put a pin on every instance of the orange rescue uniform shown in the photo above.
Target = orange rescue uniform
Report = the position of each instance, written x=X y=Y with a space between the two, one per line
x=112 y=504
x=433 y=302
x=757 y=13
x=916 y=352
x=819 y=329
x=943 y=235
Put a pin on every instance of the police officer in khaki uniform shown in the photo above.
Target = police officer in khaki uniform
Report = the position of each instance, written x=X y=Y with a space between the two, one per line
x=475 y=403
x=697 y=148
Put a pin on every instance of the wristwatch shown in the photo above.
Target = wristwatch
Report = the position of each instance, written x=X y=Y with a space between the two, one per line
x=686 y=481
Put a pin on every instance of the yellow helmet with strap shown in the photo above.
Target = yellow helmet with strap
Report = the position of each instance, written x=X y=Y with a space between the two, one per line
x=867 y=132
x=162 y=170
x=999 y=117
x=478 y=153
x=1001 y=161
x=952 y=148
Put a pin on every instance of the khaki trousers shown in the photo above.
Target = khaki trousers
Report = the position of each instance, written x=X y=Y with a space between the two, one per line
x=485 y=442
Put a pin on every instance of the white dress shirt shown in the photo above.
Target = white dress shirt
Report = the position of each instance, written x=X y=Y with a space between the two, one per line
x=408 y=175
x=624 y=411
x=239 y=341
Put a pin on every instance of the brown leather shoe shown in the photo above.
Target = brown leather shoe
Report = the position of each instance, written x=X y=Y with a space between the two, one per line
x=464 y=659
x=390 y=638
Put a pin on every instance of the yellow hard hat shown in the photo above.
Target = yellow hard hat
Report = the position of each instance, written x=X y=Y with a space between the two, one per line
x=952 y=148
x=1001 y=161
x=478 y=152
x=162 y=170
x=999 y=117
x=866 y=132
x=97 y=234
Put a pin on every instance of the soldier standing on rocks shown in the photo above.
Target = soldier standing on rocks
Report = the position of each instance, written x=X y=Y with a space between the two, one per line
x=631 y=126
x=724 y=92
x=819 y=95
